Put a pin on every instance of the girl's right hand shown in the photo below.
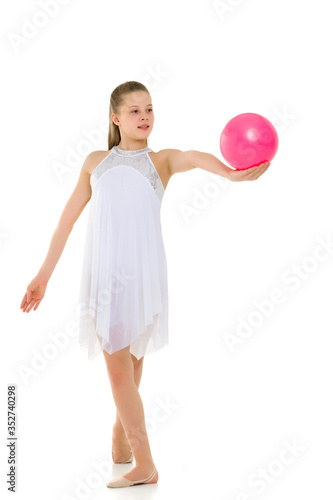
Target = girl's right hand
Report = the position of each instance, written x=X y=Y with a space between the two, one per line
x=249 y=174
x=34 y=294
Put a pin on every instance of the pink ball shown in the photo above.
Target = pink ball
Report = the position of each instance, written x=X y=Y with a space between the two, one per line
x=248 y=140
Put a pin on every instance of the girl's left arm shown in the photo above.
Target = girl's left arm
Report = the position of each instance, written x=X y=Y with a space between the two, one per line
x=181 y=161
x=209 y=162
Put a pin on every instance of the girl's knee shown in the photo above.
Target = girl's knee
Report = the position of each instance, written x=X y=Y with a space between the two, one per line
x=119 y=365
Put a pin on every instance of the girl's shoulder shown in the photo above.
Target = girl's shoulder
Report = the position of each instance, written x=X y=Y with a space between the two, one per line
x=160 y=160
x=95 y=158
x=162 y=157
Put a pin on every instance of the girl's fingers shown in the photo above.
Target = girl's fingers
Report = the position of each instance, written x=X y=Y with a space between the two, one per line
x=30 y=306
x=37 y=305
x=23 y=301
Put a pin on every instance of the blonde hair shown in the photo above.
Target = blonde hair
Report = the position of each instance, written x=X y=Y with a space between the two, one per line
x=117 y=100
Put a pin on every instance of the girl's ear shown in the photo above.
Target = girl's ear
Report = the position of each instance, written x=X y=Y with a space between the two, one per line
x=114 y=119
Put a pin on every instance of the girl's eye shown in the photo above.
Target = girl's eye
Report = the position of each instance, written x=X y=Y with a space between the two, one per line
x=135 y=110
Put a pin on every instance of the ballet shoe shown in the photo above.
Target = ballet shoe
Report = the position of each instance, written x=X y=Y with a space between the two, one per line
x=128 y=461
x=121 y=481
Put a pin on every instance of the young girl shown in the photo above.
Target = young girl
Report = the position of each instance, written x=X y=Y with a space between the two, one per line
x=124 y=291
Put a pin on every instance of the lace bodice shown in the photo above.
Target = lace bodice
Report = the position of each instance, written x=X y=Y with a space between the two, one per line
x=138 y=159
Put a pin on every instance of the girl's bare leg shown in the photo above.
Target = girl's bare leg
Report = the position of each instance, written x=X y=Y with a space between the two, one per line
x=120 y=445
x=130 y=408
x=138 y=368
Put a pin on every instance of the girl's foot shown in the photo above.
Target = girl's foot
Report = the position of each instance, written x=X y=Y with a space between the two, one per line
x=121 y=450
x=141 y=472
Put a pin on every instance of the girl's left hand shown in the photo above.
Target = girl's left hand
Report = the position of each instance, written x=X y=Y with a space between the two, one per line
x=250 y=174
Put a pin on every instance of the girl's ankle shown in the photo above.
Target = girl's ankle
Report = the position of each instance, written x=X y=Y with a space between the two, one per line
x=119 y=431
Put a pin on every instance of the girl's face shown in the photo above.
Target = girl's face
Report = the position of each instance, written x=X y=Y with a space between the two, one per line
x=136 y=112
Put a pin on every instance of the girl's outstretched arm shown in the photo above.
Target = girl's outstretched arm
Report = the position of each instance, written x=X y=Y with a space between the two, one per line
x=73 y=208
x=181 y=161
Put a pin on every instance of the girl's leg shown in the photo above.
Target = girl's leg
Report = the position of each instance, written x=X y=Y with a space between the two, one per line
x=118 y=428
x=120 y=447
x=129 y=405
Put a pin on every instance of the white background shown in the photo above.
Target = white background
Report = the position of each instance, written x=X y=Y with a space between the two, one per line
x=231 y=412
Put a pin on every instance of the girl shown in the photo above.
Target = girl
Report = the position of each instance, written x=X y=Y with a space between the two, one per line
x=124 y=291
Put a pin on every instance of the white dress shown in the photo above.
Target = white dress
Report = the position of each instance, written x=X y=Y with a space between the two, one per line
x=123 y=296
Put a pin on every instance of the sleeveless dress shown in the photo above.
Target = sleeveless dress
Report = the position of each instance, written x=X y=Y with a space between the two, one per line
x=123 y=298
